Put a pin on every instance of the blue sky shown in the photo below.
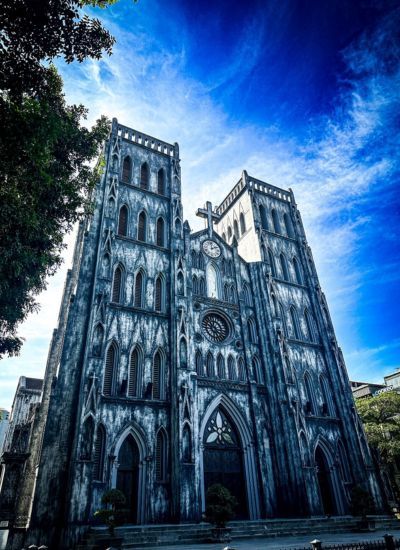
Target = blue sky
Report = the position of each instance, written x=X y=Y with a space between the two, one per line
x=302 y=94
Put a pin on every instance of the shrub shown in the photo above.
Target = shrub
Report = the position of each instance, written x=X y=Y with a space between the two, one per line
x=220 y=505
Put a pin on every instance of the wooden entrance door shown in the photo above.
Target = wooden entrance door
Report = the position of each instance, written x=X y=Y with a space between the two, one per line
x=324 y=482
x=128 y=476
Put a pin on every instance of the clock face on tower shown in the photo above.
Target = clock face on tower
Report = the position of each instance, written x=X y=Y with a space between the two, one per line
x=212 y=249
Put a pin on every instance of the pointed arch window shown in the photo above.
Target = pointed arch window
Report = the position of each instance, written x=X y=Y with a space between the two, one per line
x=161 y=182
x=199 y=363
x=226 y=292
x=275 y=221
x=247 y=295
x=202 y=286
x=183 y=353
x=229 y=233
x=186 y=444
x=213 y=282
x=144 y=176
x=195 y=285
x=134 y=373
x=296 y=266
x=309 y=325
x=180 y=285
x=283 y=319
x=161 y=466
x=98 y=335
x=117 y=285
x=200 y=260
x=123 y=221
x=258 y=375
x=210 y=365
x=236 y=229
x=142 y=227
x=87 y=439
x=126 y=170
x=252 y=330
x=241 y=369
x=221 y=366
x=193 y=257
x=99 y=453
x=138 y=296
x=288 y=225
x=284 y=267
x=271 y=262
x=288 y=370
x=326 y=396
x=294 y=318
x=224 y=236
x=242 y=223
x=231 y=368
x=109 y=371
x=159 y=294
x=158 y=376
x=160 y=230
x=309 y=391
x=263 y=217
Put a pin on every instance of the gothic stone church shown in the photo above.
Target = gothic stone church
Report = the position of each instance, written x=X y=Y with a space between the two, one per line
x=186 y=359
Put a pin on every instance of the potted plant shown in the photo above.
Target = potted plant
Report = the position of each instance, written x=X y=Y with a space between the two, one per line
x=112 y=514
x=362 y=504
x=220 y=508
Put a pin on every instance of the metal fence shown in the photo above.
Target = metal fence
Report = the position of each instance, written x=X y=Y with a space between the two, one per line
x=388 y=543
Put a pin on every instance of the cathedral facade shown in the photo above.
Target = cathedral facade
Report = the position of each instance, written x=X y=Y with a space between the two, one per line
x=186 y=359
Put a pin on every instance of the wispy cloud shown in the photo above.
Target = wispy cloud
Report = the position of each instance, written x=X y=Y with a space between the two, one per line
x=347 y=156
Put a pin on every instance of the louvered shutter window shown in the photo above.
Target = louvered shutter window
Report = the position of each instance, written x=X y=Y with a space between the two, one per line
x=142 y=227
x=99 y=454
x=221 y=367
x=157 y=376
x=126 y=170
x=161 y=456
x=116 y=289
x=144 y=176
x=160 y=182
x=158 y=294
x=133 y=373
x=109 y=371
x=123 y=221
x=138 y=289
x=160 y=232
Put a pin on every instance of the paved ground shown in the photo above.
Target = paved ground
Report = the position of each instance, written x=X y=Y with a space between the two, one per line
x=282 y=543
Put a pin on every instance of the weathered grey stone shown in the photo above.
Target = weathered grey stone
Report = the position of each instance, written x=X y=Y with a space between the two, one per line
x=247 y=361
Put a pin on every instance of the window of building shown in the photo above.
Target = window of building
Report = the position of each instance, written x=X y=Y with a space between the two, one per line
x=117 y=285
x=296 y=332
x=126 y=170
x=160 y=232
x=263 y=217
x=210 y=365
x=182 y=353
x=252 y=330
x=221 y=366
x=195 y=285
x=231 y=368
x=310 y=399
x=309 y=325
x=236 y=229
x=283 y=319
x=159 y=294
x=326 y=396
x=161 y=182
x=123 y=221
x=144 y=176
x=142 y=227
x=213 y=282
x=229 y=233
x=297 y=271
x=109 y=371
x=99 y=453
x=242 y=223
x=180 y=284
x=157 y=376
x=202 y=286
x=138 y=295
x=271 y=263
x=275 y=221
x=199 y=363
x=186 y=444
x=258 y=375
x=288 y=225
x=134 y=370
x=284 y=268
x=247 y=294
x=241 y=369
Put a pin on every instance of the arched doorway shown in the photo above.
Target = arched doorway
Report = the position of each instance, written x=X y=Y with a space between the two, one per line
x=128 y=476
x=324 y=477
x=223 y=459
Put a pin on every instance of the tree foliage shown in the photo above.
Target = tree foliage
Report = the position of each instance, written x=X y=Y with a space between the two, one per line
x=381 y=418
x=45 y=152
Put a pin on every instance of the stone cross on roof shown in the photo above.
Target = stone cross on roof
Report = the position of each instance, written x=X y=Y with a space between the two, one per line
x=211 y=216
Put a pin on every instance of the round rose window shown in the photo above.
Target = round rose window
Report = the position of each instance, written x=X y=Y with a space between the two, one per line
x=215 y=327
